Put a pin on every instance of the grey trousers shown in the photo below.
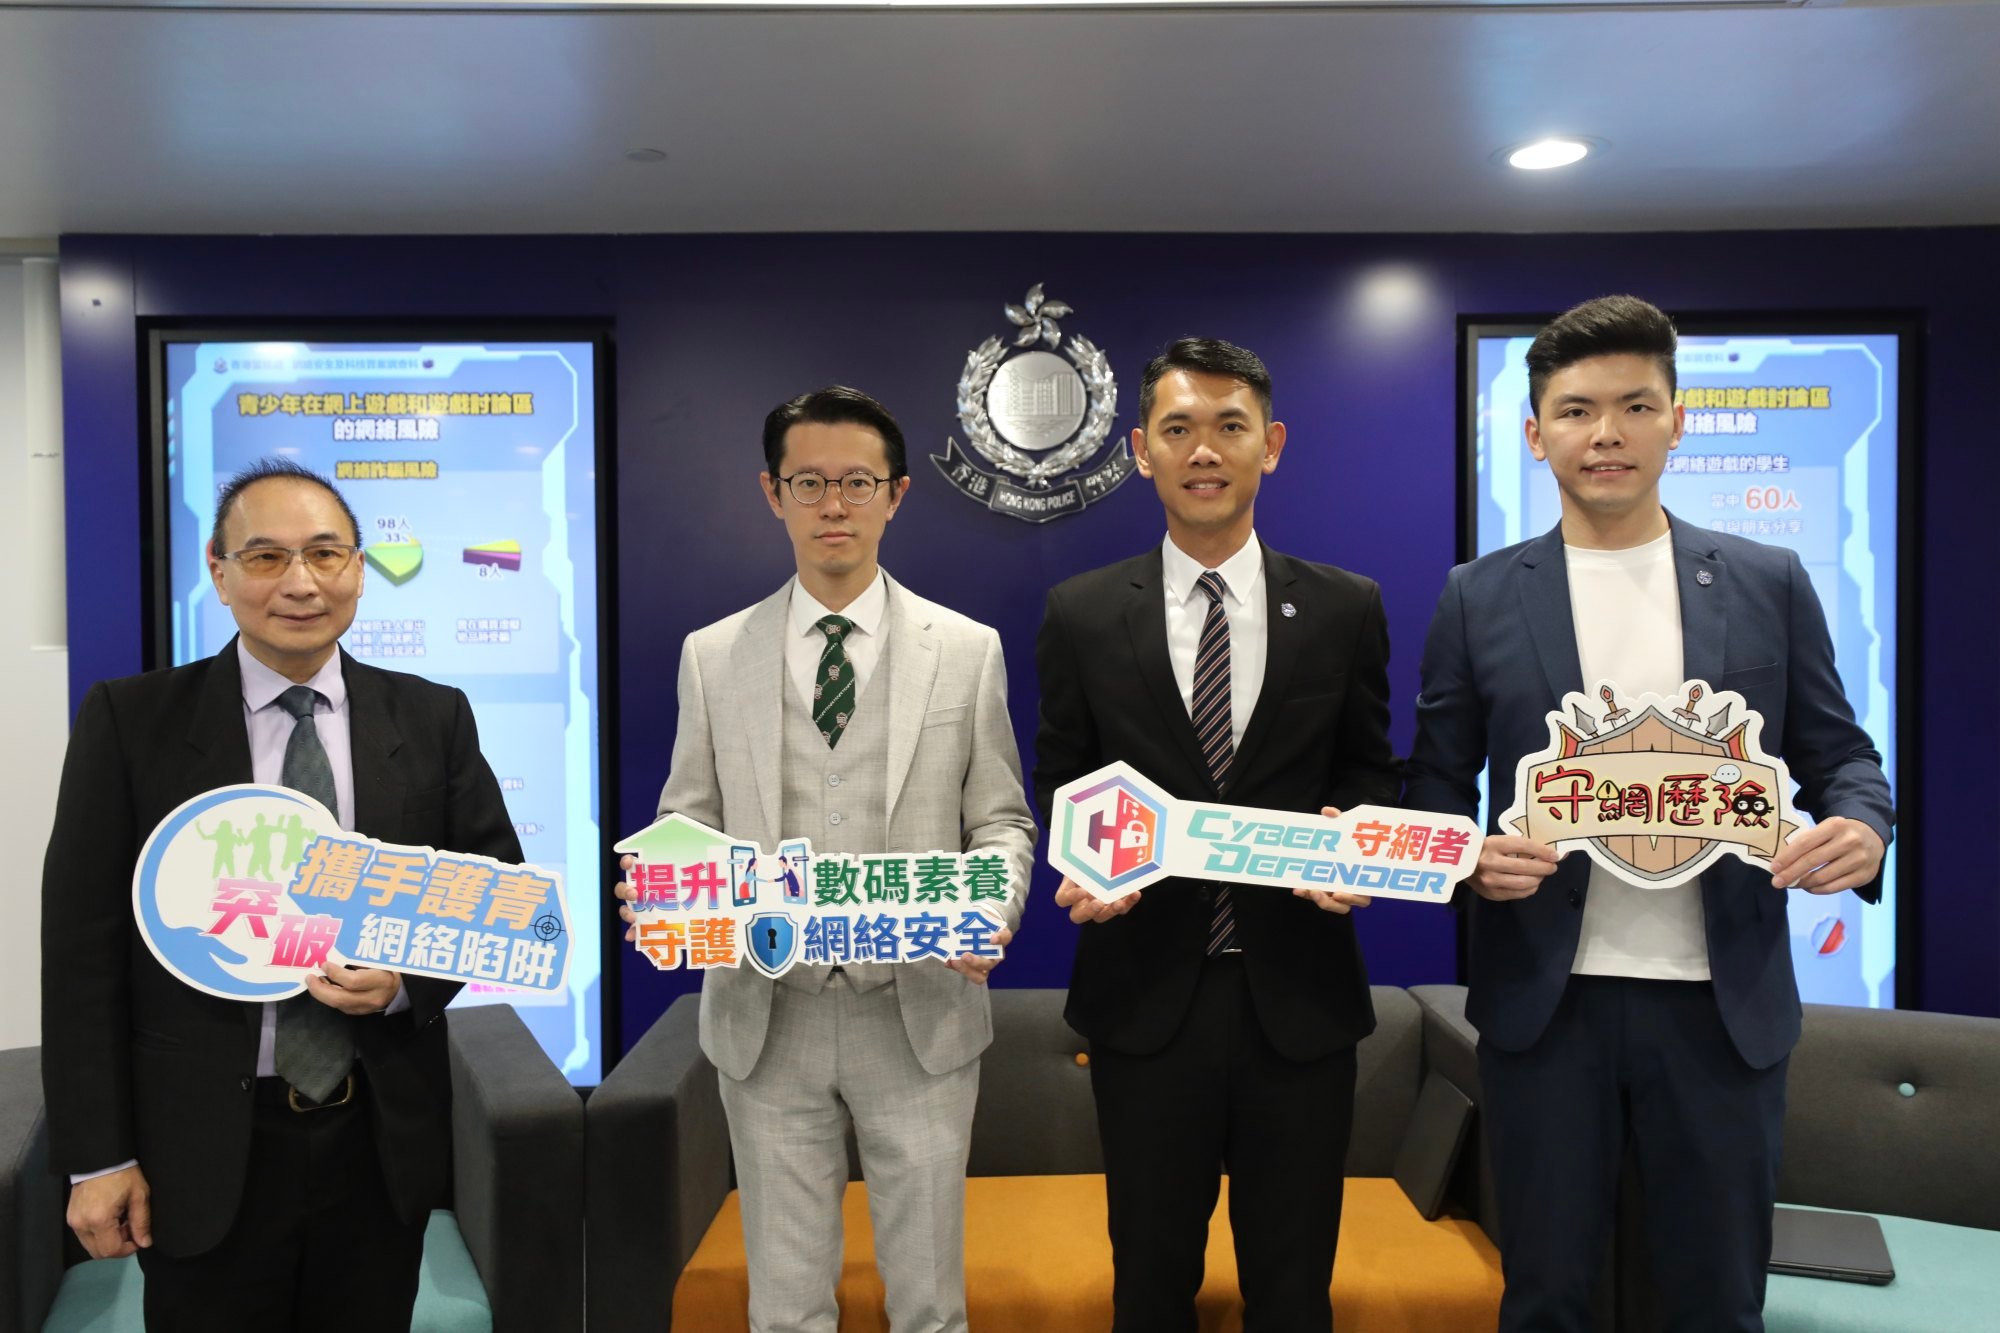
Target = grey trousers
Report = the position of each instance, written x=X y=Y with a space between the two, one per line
x=830 y=1058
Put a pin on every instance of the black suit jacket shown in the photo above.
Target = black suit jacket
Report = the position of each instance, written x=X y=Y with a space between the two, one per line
x=135 y=1064
x=1319 y=736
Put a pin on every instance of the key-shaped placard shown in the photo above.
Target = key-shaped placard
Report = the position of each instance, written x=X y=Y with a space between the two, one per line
x=1114 y=832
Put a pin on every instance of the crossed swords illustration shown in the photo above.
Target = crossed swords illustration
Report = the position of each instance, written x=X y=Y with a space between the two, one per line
x=1614 y=715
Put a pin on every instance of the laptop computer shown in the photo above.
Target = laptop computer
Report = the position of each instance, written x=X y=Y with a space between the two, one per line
x=1432 y=1139
x=1846 y=1247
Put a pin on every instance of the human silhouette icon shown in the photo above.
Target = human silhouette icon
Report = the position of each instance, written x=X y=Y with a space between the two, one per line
x=227 y=841
x=260 y=836
x=297 y=835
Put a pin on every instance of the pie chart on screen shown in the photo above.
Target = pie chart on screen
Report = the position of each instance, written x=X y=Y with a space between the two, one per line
x=500 y=555
x=397 y=562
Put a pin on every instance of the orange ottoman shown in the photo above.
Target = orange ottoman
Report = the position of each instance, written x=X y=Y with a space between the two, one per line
x=1038 y=1258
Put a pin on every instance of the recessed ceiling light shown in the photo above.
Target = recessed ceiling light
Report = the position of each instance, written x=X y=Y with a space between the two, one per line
x=1546 y=153
x=646 y=155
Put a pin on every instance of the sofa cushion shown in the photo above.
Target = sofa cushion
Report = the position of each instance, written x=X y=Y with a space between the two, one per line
x=1035 y=1115
x=1945 y=1275
x=109 y=1295
x=99 y=1296
x=1891 y=1111
x=450 y=1296
x=1038 y=1256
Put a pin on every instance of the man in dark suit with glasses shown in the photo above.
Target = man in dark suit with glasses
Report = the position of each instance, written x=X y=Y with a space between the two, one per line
x=273 y=1165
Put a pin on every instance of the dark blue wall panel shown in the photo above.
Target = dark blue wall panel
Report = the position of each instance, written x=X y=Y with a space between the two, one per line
x=1360 y=334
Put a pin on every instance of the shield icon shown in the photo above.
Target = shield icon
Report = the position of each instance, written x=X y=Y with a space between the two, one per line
x=1656 y=857
x=770 y=942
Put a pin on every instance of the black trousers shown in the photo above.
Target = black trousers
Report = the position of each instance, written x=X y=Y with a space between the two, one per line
x=1647 y=1061
x=316 y=1244
x=1216 y=1099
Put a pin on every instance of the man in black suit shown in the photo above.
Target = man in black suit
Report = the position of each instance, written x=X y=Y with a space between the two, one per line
x=256 y=1201
x=1222 y=1021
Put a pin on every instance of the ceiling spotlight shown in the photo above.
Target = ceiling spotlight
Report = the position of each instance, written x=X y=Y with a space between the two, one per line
x=646 y=155
x=1546 y=153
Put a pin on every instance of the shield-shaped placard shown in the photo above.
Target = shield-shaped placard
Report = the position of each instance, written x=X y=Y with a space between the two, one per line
x=1689 y=787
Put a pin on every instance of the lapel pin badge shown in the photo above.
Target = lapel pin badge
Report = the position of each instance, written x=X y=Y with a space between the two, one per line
x=1703 y=577
x=1289 y=610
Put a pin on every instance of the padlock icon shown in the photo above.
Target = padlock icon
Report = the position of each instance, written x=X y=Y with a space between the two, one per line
x=1132 y=835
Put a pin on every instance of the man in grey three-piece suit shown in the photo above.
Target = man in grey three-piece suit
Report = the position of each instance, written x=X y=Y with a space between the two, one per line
x=845 y=709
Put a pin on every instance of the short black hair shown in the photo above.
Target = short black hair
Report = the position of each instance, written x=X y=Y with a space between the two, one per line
x=835 y=405
x=1607 y=326
x=267 y=469
x=1205 y=356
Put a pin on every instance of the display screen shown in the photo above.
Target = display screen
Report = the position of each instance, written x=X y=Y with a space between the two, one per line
x=1791 y=438
x=472 y=466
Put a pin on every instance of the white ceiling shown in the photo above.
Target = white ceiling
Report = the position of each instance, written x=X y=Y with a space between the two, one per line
x=288 y=120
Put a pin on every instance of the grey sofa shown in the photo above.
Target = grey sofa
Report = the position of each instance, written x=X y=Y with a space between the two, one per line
x=658 y=1158
x=1887 y=1111
x=517 y=1178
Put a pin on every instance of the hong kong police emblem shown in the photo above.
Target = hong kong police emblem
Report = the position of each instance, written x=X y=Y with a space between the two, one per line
x=1039 y=419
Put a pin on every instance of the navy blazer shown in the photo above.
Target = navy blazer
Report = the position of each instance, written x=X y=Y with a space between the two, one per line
x=1501 y=655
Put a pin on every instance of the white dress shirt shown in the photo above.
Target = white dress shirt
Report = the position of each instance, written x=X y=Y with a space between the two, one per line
x=1242 y=602
x=863 y=643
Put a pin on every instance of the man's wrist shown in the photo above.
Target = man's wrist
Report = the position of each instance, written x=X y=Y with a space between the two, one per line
x=82 y=1176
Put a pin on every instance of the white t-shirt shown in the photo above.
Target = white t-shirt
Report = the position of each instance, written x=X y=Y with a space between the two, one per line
x=1627 y=612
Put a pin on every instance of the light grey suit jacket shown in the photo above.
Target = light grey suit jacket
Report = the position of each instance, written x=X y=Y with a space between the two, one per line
x=954 y=783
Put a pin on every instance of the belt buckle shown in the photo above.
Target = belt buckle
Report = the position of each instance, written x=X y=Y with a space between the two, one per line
x=346 y=1096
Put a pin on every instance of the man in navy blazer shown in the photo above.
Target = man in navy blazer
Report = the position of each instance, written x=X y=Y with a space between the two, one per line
x=1608 y=1012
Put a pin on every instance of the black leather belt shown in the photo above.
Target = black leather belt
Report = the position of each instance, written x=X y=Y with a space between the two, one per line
x=275 y=1092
